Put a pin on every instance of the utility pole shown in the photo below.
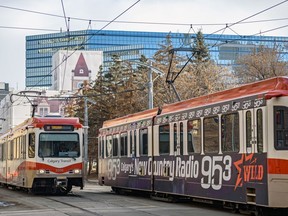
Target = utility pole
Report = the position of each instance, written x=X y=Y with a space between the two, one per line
x=150 y=87
x=86 y=99
x=85 y=139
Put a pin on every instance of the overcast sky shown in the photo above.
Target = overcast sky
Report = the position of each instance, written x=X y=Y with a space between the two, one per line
x=18 y=14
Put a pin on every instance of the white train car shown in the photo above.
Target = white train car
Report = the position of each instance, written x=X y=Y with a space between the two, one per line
x=43 y=155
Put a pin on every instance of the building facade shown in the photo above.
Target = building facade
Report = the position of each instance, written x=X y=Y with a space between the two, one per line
x=130 y=45
x=4 y=90
x=72 y=68
x=15 y=113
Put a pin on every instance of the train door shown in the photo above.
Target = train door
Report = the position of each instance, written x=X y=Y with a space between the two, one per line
x=253 y=130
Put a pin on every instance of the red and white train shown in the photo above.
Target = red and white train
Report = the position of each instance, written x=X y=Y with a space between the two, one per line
x=43 y=155
x=230 y=147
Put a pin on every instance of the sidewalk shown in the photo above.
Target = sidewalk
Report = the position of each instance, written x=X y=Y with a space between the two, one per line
x=93 y=178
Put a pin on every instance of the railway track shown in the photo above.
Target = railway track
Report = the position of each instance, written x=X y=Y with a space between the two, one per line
x=97 y=200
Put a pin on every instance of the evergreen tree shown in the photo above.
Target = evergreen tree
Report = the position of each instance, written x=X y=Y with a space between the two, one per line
x=139 y=84
x=201 y=50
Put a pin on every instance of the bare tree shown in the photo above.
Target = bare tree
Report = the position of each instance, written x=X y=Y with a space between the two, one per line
x=261 y=64
x=204 y=78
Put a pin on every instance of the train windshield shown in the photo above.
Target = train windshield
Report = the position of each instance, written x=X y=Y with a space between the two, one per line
x=59 y=145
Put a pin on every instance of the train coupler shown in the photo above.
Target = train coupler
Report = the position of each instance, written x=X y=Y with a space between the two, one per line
x=61 y=182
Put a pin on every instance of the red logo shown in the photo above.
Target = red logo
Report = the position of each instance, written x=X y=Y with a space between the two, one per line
x=248 y=170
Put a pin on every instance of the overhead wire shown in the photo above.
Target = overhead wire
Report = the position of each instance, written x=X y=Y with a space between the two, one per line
x=269 y=30
x=27 y=28
x=222 y=29
x=240 y=21
x=68 y=42
x=66 y=22
x=251 y=35
x=82 y=44
x=114 y=20
x=235 y=32
x=141 y=22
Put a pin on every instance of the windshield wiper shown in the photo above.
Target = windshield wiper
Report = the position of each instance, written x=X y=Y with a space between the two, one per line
x=42 y=157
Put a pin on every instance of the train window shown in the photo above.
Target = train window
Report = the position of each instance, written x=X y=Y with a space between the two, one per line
x=259 y=130
x=123 y=144
x=15 y=148
x=24 y=147
x=31 y=145
x=59 y=145
x=11 y=151
x=109 y=146
x=181 y=138
x=4 y=151
x=248 y=130
x=115 y=145
x=175 y=136
x=133 y=143
x=19 y=147
x=281 y=128
x=211 y=134
x=103 y=147
x=100 y=147
x=143 y=141
x=230 y=132
x=17 y=144
x=194 y=136
x=164 y=139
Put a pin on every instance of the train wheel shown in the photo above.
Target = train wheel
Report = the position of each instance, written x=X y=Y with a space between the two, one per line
x=63 y=190
x=260 y=211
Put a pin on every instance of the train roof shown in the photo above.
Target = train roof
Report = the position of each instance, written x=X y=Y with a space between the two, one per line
x=274 y=87
x=39 y=122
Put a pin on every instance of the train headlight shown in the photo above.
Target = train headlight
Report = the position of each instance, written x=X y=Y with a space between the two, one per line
x=41 y=171
x=77 y=171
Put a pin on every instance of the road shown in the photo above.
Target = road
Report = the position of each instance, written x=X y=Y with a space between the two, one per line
x=97 y=200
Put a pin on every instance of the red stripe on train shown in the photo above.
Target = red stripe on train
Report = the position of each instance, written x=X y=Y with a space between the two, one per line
x=59 y=169
x=36 y=166
x=277 y=166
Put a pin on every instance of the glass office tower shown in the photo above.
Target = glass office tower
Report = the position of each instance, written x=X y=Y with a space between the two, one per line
x=130 y=45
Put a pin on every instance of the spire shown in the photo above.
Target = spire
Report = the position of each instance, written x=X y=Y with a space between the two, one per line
x=81 y=68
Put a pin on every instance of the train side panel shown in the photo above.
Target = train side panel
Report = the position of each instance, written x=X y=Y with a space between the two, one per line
x=230 y=146
x=278 y=152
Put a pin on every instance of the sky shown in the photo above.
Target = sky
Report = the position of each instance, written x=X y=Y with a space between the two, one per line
x=20 y=18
